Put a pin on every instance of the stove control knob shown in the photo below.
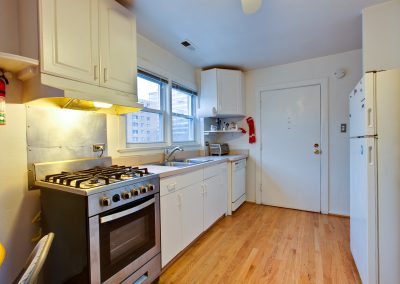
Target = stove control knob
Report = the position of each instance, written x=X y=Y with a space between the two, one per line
x=126 y=195
x=105 y=201
x=150 y=187
x=143 y=189
x=135 y=192
x=116 y=197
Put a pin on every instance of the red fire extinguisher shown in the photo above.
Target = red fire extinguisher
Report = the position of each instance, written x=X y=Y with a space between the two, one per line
x=3 y=83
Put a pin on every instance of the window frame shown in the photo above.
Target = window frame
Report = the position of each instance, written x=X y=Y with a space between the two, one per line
x=164 y=87
x=193 y=98
x=126 y=148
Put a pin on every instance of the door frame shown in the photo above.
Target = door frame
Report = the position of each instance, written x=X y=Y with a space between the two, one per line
x=324 y=166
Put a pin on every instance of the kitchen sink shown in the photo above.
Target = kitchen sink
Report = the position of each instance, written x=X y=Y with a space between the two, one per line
x=179 y=163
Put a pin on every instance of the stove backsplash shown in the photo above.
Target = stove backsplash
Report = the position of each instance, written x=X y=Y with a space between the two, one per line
x=62 y=134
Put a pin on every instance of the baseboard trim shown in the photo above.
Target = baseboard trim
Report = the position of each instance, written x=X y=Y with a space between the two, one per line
x=339 y=215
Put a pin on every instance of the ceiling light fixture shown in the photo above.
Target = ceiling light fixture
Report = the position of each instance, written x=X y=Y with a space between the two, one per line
x=251 y=6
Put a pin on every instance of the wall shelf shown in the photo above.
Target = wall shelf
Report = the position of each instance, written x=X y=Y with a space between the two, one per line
x=222 y=131
x=20 y=65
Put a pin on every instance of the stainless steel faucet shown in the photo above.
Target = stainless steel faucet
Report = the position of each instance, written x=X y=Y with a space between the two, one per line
x=170 y=151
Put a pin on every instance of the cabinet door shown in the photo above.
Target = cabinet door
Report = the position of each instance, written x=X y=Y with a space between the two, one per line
x=192 y=213
x=213 y=201
x=208 y=96
x=117 y=47
x=69 y=42
x=171 y=229
x=229 y=92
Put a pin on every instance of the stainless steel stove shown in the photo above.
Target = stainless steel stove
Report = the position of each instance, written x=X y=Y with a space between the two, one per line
x=105 y=217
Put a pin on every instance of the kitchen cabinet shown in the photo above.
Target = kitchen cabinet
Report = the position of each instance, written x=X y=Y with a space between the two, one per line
x=90 y=41
x=192 y=213
x=215 y=195
x=190 y=204
x=181 y=220
x=70 y=39
x=381 y=37
x=171 y=227
x=117 y=47
x=222 y=93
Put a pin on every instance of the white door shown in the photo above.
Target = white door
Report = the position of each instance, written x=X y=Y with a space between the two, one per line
x=192 y=212
x=363 y=207
x=363 y=107
x=70 y=47
x=117 y=47
x=229 y=91
x=213 y=200
x=171 y=228
x=291 y=133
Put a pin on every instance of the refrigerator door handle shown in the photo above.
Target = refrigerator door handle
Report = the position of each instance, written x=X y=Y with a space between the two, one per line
x=370 y=156
x=369 y=117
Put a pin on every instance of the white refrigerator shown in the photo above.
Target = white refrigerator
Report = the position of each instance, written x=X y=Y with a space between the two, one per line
x=375 y=177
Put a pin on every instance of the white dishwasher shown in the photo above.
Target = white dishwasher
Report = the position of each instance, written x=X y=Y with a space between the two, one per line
x=238 y=195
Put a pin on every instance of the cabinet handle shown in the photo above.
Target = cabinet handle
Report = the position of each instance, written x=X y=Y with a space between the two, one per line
x=179 y=200
x=105 y=74
x=96 y=72
x=171 y=187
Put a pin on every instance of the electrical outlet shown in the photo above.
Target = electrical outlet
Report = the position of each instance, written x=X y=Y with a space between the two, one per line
x=99 y=147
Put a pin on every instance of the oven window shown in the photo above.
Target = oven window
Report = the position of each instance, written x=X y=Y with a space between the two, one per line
x=125 y=239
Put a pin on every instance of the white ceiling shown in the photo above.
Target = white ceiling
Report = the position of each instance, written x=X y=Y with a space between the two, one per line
x=282 y=31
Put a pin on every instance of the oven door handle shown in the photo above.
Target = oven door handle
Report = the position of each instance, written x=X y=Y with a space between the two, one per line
x=121 y=214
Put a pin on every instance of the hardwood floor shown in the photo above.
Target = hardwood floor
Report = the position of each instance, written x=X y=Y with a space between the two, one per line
x=262 y=244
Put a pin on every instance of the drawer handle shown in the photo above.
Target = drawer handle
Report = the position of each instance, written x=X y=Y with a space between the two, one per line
x=171 y=186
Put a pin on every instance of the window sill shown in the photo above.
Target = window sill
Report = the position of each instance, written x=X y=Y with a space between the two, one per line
x=140 y=149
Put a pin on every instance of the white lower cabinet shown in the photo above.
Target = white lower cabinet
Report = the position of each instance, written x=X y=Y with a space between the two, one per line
x=171 y=227
x=190 y=204
x=213 y=200
x=192 y=213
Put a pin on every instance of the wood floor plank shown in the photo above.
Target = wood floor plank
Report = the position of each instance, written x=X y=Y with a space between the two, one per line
x=263 y=244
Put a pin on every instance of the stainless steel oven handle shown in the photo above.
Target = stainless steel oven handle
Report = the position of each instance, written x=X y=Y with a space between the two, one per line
x=118 y=215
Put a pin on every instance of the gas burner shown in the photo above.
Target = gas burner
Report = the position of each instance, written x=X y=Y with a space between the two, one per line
x=97 y=176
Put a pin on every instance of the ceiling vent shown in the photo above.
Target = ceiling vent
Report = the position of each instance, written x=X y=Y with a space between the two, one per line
x=188 y=45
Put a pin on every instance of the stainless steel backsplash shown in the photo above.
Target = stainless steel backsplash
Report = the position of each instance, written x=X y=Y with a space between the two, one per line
x=62 y=134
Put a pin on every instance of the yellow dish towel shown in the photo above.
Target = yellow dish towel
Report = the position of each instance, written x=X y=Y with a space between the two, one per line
x=2 y=254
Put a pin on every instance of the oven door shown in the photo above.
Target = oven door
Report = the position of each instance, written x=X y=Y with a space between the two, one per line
x=129 y=236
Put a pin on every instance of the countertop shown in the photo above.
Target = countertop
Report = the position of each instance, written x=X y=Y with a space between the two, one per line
x=165 y=171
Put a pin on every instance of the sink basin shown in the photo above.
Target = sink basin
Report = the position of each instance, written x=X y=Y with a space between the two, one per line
x=179 y=163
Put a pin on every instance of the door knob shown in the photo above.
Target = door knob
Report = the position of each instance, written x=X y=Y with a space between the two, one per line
x=317 y=151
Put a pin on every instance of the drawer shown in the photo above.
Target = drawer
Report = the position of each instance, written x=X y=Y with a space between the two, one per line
x=214 y=170
x=171 y=184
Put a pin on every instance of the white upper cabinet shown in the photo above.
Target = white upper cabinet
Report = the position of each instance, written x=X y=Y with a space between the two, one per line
x=222 y=93
x=70 y=39
x=117 y=47
x=90 y=41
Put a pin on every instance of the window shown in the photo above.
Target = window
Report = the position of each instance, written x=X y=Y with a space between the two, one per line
x=151 y=93
x=183 y=113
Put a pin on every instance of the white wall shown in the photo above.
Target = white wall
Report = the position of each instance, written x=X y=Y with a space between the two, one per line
x=381 y=36
x=338 y=91
x=159 y=61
